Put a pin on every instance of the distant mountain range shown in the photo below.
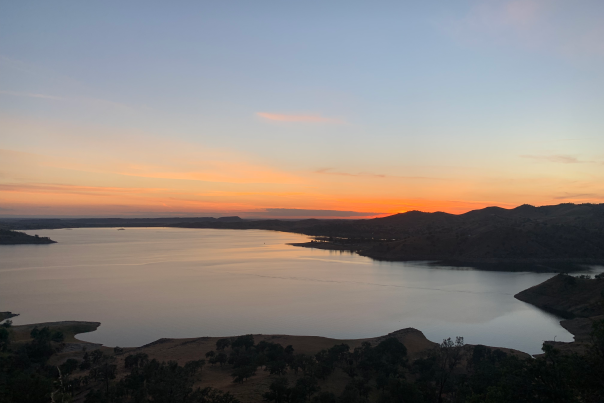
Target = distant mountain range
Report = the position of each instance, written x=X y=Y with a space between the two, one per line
x=56 y=223
x=557 y=238
x=553 y=237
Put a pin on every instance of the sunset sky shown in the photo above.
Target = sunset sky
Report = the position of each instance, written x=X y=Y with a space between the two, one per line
x=258 y=108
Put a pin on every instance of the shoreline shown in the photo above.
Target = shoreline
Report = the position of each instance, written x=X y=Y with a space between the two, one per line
x=576 y=300
x=414 y=339
x=367 y=249
x=418 y=341
x=419 y=350
x=526 y=238
x=510 y=265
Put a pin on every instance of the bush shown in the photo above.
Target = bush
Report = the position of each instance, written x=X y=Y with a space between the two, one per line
x=69 y=366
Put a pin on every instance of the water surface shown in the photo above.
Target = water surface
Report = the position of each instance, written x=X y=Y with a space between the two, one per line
x=146 y=283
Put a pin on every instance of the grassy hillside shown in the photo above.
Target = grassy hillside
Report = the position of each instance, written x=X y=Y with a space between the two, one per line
x=567 y=296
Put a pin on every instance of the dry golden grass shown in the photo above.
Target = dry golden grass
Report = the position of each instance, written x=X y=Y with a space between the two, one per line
x=216 y=376
x=183 y=350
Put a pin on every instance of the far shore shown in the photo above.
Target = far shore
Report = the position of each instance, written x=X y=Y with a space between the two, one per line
x=513 y=265
x=548 y=239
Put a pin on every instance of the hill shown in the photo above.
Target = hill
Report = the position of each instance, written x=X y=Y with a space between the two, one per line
x=552 y=238
x=567 y=296
x=579 y=299
x=557 y=238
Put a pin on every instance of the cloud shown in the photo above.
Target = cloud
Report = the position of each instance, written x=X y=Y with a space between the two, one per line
x=497 y=18
x=574 y=196
x=71 y=189
x=29 y=95
x=306 y=213
x=298 y=118
x=210 y=171
x=522 y=12
x=329 y=171
x=140 y=155
x=552 y=26
x=563 y=159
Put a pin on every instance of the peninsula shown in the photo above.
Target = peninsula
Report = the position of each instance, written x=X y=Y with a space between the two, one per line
x=8 y=237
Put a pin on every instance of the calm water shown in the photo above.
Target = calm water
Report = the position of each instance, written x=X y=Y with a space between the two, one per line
x=148 y=283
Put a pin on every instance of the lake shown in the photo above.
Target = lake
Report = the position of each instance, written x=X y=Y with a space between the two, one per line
x=146 y=283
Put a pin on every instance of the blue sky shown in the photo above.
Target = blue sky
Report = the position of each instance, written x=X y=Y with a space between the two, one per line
x=377 y=107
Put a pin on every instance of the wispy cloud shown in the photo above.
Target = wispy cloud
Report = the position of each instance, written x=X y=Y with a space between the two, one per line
x=62 y=148
x=579 y=196
x=497 y=19
x=298 y=118
x=559 y=158
x=306 y=213
x=71 y=189
x=536 y=24
x=30 y=95
x=330 y=171
x=522 y=12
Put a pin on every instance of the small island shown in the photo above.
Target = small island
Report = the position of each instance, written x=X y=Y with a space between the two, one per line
x=8 y=237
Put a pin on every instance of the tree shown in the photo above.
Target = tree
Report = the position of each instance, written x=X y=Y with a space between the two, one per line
x=192 y=367
x=448 y=357
x=279 y=391
x=325 y=397
x=69 y=366
x=57 y=337
x=306 y=387
x=221 y=358
x=137 y=360
x=211 y=395
x=104 y=370
x=277 y=367
x=246 y=341
x=221 y=344
x=351 y=395
x=4 y=338
x=400 y=390
x=243 y=373
x=40 y=349
x=29 y=387
x=168 y=382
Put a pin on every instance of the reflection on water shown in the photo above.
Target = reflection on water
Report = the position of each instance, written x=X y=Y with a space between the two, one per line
x=147 y=283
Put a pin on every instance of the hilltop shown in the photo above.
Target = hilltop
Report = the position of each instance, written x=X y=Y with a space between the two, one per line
x=548 y=238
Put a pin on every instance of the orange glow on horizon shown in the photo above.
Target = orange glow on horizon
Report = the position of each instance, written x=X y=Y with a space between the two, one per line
x=63 y=173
